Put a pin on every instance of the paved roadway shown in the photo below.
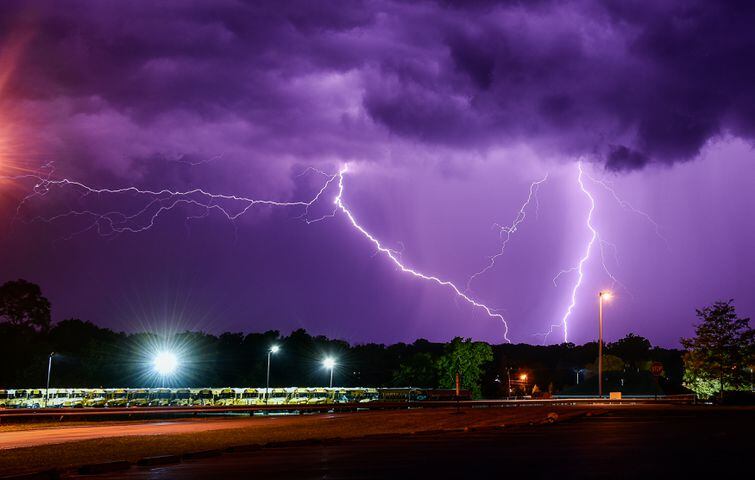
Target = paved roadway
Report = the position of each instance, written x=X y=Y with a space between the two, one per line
x=48 y=436
x=620 y=444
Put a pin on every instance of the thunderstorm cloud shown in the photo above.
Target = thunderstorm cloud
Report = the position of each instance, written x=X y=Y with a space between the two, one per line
x=444 y=111
x=624 y=83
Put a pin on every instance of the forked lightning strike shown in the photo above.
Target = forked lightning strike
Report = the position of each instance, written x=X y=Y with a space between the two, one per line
x=628 y=206
x=564 y=325
x=394 y=258
x=506 y=231
x=594 y=236
x=115 y=222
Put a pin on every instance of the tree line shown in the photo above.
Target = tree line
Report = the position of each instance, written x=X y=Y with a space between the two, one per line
x=87 y=355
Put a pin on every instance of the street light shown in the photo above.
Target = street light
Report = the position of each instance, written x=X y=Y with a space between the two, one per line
x=602 y=296
x=165 y=363
x=49 y=369
x=523 y=379
x=273 y=349
x=330 y=364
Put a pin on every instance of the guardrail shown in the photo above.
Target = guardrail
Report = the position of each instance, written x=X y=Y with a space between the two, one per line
x=72 y=414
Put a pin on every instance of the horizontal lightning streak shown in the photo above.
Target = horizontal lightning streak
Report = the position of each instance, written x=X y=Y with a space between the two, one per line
x=162 y=200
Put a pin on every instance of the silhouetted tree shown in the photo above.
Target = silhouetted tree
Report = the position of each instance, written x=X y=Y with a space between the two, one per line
x=419 y=370
x=92 y=356
x=611 y=363
x=22 y=304
x=633 y=349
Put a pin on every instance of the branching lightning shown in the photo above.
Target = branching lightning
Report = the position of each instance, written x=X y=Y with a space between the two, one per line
x=505 y=232
x=392 y=255
x=114 y=222
x=154 y=203
x=579 y=268
x=602 y=243
x=628 y=206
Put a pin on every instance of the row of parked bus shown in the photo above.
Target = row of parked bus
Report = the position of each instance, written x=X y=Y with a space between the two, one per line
x=225 y=397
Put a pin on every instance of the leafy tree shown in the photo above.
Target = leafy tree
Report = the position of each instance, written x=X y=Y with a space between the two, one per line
x=419 y=370
x=611 y=363
x=633 y=349
x=467 y=358
x=720 y=352
x=22 y=304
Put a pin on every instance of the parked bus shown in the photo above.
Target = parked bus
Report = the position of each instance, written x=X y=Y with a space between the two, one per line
x=117 y=398
x=95 y=398
x=160 y=397
x=250 y=396
x=225 y=397
x=181 y=398
x=202 y=397
x=5 y=397
x=138 y=397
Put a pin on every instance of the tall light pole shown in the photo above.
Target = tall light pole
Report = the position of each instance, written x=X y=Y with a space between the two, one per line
x=330 y=364
x=273 y=349
x=49 y=369
x=602 y=296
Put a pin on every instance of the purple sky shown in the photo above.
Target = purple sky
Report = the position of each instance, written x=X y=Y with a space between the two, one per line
x=445 y=113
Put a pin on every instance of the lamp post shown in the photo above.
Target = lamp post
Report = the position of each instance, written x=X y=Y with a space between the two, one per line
x=273 y=349
x=330 y=364
x=49 y=369
x=602 y=296
x=523 y=379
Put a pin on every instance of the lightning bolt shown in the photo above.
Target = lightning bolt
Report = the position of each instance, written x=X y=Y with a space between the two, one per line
x=115 y=222
x=628 y=206
x=505 y=232
x=602 y=243
x=393 y=257
x=579 y=267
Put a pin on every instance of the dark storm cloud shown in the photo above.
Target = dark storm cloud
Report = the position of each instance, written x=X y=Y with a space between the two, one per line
x=626 y=83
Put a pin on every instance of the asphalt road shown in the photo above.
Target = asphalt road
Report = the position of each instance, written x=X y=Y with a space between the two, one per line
x=638 y=443
x=48 y=436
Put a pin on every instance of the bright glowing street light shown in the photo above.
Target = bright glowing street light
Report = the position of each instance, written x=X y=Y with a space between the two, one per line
x=330 y=364
x=165 y=363
x=603 y=296
x=273 y=349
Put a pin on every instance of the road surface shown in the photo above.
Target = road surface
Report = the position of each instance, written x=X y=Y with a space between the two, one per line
x=622 y=443
x=48 y=436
